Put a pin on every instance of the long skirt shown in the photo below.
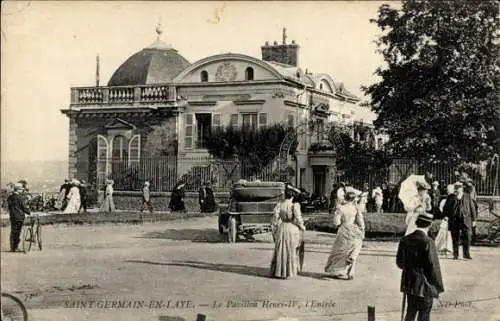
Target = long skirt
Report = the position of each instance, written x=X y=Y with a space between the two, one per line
x=346 y=247
x=443 y=239
x=108 y=205
x=73 y=205
x=285 y=262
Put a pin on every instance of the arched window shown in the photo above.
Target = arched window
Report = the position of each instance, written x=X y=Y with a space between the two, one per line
x=380 y=143
x=120 y=148
x=249 y=73
x=204 y=76
x=320 y=86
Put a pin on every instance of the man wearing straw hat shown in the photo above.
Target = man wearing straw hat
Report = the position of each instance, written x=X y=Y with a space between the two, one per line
x=17 y=211
x=421 y=280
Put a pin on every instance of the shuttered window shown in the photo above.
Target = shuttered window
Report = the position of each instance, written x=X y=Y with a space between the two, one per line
x=216 y=122
x=234 y=121
x=189 y=131
x=262 y=120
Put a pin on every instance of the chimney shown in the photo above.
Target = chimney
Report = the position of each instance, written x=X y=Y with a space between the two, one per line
x=282 y=53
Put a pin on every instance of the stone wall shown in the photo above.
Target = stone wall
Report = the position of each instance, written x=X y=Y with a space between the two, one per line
x=132 y=200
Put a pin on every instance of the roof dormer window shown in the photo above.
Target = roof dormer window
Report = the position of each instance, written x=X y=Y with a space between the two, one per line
x=204 y=76
x=249 y=74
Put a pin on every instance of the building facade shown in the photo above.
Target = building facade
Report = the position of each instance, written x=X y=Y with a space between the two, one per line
x=158 y=88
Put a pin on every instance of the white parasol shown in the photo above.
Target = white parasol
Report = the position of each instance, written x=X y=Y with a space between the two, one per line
x=408 y=192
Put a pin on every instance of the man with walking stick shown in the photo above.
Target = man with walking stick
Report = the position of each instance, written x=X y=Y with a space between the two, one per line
x=421 y=280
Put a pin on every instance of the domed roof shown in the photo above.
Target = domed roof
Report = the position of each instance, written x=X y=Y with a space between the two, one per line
x=158 y=63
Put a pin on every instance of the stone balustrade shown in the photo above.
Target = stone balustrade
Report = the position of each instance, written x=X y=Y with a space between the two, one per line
x=120 y=95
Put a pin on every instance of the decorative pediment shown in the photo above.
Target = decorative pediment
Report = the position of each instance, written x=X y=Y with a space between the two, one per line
x=118 y=123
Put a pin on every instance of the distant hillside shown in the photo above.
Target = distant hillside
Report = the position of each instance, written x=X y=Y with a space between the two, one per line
x=41 y=175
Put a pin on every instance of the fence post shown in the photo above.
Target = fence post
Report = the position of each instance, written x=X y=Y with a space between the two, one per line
x=371 y=313
x=200 y=317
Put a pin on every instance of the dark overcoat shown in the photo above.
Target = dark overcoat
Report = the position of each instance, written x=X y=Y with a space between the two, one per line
x=17 y=207
x=418 y=259
x=459 y=211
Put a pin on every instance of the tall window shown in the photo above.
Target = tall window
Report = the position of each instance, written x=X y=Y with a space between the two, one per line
x=262 y=120
x=250 y=120
x=120 y=148
x=320 y=127
x=203 y=128
x=204 y=76
x=189 y=131
x=234 y=121
x=291 y=121
x=380 y=143
x=249 y=73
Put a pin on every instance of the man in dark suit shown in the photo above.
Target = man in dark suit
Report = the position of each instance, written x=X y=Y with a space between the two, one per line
x=421 y=280
x=83 y=196
x=461 y=214
x=17 y=211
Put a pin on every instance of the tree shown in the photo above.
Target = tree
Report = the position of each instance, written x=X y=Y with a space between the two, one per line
x=357 y=160
x=257 y=147
x=438 y=97
x=162 y=140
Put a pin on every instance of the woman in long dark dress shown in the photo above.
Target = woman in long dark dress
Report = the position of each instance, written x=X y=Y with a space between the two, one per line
x=286 y=225
x=177 y=198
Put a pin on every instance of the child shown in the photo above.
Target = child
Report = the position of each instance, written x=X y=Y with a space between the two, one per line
x=146 y=198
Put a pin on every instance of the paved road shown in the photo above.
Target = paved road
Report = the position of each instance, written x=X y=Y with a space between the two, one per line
x=120 y=272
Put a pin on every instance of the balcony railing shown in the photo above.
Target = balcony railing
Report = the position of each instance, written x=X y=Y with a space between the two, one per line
x=126 y=94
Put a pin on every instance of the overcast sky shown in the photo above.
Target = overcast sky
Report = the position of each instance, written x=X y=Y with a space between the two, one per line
x=48 y=47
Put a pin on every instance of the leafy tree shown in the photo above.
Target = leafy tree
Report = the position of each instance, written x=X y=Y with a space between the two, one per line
x=358 y=160
x=438 y=97
x=162 y=140
x=257 y=147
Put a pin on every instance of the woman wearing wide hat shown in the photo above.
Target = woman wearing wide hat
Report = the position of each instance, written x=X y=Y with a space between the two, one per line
x=108 y=205
x=287 y=224
x=349 y=240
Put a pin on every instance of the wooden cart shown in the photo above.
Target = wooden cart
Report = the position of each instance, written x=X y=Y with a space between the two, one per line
x=250 y=209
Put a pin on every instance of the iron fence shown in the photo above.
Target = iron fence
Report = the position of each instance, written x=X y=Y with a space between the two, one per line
x=164 y=172
x=486 y=180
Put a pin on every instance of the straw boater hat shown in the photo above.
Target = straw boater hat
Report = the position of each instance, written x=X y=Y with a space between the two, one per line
x=425 y=217
x=146 y=183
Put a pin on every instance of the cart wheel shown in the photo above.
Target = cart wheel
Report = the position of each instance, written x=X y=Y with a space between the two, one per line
x=27 y=239
x=231 y=233
x=39 y=236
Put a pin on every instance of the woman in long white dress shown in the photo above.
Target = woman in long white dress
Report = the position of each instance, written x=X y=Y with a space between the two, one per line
x=108 y=204
x=349 y=240
x=423 y=204
x=73 y=198
x=443 y=239
x=286 y=225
